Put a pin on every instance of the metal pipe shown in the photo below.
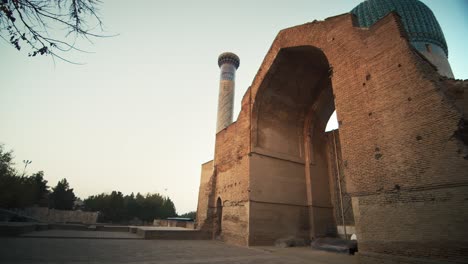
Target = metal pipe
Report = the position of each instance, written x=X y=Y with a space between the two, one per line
x=339 y=185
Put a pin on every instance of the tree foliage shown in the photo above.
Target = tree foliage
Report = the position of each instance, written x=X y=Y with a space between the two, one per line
x=48 y=26
x=62 y=196
x=24 y=191
x=6 y=163
x=192 y=214
x=20 y=191
x=117 y=208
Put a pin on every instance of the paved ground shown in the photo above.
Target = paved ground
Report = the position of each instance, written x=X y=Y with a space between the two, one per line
x=164 y=228
x=78 y=251
x=81 y=234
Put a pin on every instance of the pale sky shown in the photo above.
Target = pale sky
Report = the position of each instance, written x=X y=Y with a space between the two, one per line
x=140 y=115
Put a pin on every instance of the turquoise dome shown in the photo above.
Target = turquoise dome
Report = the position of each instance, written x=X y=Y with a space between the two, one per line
x=418 y=20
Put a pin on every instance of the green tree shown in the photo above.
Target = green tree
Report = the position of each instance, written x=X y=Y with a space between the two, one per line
x=6 y=163
x=31 y=190
x=192 y=214
x=116 y=210
x=115 y=207
x=39 y=188
x=62 y=197
x=131 y=207
x=20 y=191
x=98 y=203
x=8 y=181
x=168 y=208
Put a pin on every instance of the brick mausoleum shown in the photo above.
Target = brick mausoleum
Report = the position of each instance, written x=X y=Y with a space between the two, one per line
x=395 y=173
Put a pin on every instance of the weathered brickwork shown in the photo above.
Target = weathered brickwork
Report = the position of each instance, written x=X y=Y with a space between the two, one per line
x=402 y=134
x=205 y=194
x=226 y=178
x=340 y=197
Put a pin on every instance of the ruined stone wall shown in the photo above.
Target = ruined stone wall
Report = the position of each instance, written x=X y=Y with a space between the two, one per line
x=278 y=201
x=231 y=177
x=47 y=215
x=401 y=136
x=174 y=223
x=456 y=92
x=278 y=197
x=429 y=197
x=205 y=191
x=408 y=175
x=283 y=217
x=403 y=140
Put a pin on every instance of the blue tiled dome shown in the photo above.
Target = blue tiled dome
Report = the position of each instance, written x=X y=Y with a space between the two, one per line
x=418 y=20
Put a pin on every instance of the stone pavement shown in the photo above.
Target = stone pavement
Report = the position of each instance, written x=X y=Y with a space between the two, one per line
x=164 y=228
x=54 y=233
x=37 y=250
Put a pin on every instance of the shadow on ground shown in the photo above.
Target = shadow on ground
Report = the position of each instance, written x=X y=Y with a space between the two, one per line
x=53 y=249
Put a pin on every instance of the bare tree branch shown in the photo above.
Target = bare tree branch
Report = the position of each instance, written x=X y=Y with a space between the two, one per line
x=36 y=23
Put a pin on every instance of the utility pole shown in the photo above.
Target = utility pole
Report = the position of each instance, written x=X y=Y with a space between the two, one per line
x=26 y=163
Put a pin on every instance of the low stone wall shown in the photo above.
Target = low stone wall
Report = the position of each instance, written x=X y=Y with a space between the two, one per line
x=47 y=215
x=173 y=234
x=111 y=228
x=174 y=223
x=190 y=225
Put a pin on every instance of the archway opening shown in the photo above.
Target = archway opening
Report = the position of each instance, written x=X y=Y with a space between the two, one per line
x=219 y=217
x=293 y=171
x=332 y=123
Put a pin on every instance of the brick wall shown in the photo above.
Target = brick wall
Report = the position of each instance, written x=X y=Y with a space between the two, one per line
x=402 y=134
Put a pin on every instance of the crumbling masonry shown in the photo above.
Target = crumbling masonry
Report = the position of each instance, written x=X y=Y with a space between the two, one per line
x=400 y=157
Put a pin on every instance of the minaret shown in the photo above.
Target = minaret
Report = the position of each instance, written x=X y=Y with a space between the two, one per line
x=228 y=63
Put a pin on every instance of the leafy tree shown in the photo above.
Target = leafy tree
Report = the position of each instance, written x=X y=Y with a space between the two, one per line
x=78 y=204
x=31 y=190
x=96 y=203
x=8 y=182
x=62 y=197
x=192 y=214
x=116 y=210
x=132 y=207
x=6 y=163
x=20 y=191
x=40 y=23
x=115 y=207
x=168 y=208
x=39 y=188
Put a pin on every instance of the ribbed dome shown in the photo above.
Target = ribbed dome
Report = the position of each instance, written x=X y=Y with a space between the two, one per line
x=229 y=57
x=418 y=20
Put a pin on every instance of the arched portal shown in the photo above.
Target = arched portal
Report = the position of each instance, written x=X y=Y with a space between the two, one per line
x=292 y=165
x=219 y=217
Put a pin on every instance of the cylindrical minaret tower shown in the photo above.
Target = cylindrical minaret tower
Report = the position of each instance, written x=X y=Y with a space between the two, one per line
x=228 y=63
